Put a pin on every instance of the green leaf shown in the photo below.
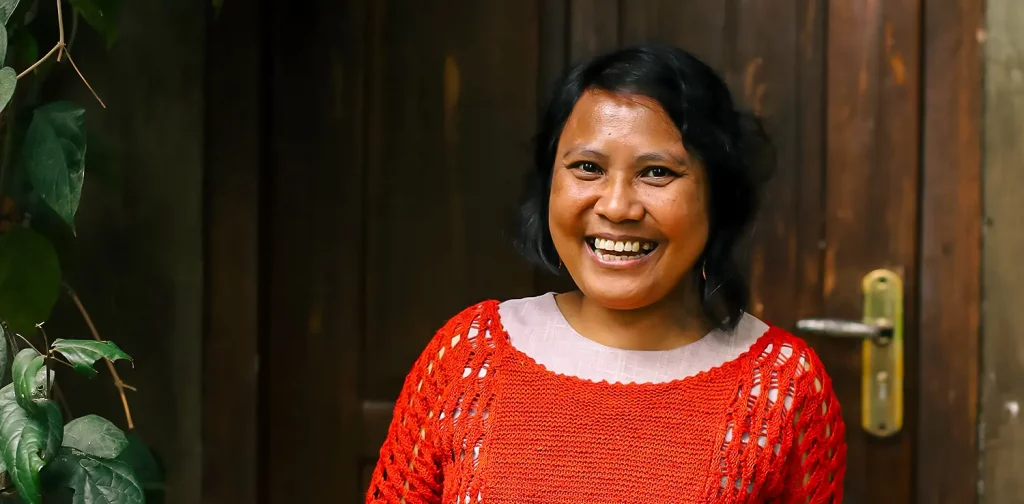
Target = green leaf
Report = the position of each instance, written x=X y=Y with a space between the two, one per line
x=96 y=436
x=31 y=426
x=6 y=9
x=95 y=480
x=54 y=155
x=54 y=428
x=8 y=82
x=144 y=464
x=8 y=77
x=102 y=15
x=29 y=279
x=3 y=43
x=28 y=366
x=23 y=437
x=83 y=354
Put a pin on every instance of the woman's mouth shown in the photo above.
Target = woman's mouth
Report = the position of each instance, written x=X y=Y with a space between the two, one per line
x=620 y=251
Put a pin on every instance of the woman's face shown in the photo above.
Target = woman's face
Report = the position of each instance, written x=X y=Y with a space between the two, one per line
x=628 y=212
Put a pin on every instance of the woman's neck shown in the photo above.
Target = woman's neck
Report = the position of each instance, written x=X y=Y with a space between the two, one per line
x=672 y=322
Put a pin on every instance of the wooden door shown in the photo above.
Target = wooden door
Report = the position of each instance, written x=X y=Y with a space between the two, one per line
x=866 y=178
x=397 y=134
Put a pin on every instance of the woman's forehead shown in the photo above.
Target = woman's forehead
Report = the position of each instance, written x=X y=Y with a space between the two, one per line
x=603 y=119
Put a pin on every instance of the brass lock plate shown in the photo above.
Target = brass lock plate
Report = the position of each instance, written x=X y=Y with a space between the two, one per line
x=882 y=379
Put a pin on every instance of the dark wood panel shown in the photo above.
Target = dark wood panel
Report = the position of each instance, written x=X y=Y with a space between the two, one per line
x=1002 y=430
x=553 y=47
x=812 y=25
x=314 y=287
x=871 y=197
x=452 y=125
x=766 y=62
x=593 y=27
x=698 y=26
x=553 y=50
x=235 y=93
x=950 y=253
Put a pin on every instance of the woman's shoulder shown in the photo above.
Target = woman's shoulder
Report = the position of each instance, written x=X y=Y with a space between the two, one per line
x=787 y=353
x=463 y=339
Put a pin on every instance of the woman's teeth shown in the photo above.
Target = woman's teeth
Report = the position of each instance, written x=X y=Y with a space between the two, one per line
x=620 y=246
x=610 y=257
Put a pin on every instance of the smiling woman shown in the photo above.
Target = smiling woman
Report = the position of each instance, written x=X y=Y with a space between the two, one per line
x=649 y=383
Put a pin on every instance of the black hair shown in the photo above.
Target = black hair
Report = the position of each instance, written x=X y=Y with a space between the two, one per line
x=730 y=143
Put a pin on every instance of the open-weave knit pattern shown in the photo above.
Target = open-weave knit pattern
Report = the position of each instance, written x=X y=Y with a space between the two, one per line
x=479 y=421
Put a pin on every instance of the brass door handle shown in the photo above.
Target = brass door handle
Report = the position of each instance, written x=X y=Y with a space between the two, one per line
x=881 y=333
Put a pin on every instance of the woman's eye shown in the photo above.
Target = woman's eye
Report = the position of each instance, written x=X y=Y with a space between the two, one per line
x=587 y=167
x=658 y=172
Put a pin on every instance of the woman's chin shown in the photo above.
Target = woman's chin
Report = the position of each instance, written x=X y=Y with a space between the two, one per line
x=622 y=297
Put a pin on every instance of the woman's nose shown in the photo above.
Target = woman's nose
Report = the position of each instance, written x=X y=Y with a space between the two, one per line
x=618 y=202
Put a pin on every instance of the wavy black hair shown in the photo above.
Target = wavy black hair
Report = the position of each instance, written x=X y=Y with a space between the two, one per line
x=731 y=144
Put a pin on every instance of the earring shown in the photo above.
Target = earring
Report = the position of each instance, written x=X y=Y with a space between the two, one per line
x=703 y=271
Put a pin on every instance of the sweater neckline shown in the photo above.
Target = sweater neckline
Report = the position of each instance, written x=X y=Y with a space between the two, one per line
x=503 y=348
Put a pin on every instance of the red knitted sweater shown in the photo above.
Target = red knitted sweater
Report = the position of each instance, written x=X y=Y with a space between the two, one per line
x=480 y=422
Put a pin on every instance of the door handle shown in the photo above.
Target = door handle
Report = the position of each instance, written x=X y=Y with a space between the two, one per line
x=881 y=333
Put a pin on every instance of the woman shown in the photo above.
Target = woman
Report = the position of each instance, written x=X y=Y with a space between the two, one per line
x=649 y=384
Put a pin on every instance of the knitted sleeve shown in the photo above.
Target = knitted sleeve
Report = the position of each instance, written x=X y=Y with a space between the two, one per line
x=409 y=467
x=817 y=460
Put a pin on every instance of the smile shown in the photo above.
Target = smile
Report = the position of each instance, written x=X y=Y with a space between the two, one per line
x=620 y=253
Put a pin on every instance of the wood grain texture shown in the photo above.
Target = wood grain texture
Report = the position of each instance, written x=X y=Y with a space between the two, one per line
x=872 y=214
x=314 y=288
x=553 y=47
x=765 y=61
x=554 y=53
x=453 y=123
x=701 y=27
x=812 y=26
x=950 y=253
x=593 y=28
x=235 y=93
x=1002 y=424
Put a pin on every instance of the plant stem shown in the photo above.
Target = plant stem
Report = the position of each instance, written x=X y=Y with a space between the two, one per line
x=60 y=49
x=121 y=386
x=79 y=72
x=49 y=356
x=9 y=336
x=46 y=358
x=54 y=390
x=29 y=343
x=40 y=62
x=60 y=27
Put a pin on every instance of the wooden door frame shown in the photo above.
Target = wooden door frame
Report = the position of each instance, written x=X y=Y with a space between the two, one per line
x=950 y=252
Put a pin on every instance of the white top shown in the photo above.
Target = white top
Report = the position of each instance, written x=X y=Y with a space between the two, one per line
x=537 y=328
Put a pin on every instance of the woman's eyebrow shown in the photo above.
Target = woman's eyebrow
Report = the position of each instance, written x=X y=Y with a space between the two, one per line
x=656 y=157
x=585 y=151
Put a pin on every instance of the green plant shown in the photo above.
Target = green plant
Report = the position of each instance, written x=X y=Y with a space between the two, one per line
x=42 y=170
